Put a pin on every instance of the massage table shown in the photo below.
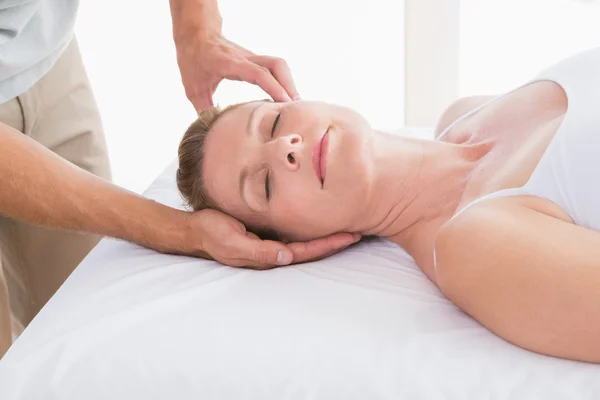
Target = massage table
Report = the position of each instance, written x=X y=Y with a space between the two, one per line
x=130 y=323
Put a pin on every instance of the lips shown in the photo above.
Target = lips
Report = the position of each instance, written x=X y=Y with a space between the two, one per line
x=319 y=157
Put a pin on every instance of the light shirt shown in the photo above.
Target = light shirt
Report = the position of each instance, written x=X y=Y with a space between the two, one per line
x=33 y=35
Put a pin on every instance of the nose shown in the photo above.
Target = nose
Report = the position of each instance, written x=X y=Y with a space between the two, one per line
x=288 y=150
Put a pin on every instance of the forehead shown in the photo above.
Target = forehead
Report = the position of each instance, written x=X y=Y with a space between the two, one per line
x=224 y=157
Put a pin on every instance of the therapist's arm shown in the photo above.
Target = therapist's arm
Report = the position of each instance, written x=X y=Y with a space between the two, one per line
x=42 y=188
x=205 y=57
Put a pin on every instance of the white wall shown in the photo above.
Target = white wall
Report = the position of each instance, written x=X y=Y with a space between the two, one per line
x=505 y=43
x=342 y=51
x=347 y=52
x=432 y=39
x=130 y=59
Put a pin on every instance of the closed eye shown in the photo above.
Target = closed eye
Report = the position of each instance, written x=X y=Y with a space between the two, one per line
x=275 y=125
x=267 y=186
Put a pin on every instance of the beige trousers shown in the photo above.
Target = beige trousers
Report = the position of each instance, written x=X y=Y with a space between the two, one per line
x=59 y=112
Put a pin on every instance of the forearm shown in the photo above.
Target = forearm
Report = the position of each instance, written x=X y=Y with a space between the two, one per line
x=39 y=187
x=194 y=17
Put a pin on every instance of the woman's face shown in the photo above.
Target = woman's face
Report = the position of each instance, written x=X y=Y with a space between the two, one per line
x=300 y=168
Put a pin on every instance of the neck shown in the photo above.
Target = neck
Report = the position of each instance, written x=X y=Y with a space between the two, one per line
x=417 y=184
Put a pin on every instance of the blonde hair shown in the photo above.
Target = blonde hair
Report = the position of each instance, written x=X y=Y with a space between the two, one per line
x=190 y=179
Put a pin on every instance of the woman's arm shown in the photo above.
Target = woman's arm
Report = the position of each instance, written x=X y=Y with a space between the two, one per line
x=530 y=278
x=457 y=109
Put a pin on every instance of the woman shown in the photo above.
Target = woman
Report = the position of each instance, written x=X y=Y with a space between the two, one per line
x=502 y=211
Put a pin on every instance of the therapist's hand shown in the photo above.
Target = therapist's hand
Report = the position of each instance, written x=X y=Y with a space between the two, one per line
x=206 y=58
x=226 y=240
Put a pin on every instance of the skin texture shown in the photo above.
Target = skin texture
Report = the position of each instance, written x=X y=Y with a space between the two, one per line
x=246 y=137
x=387 y=182
x=55 y=193
x=508 y=262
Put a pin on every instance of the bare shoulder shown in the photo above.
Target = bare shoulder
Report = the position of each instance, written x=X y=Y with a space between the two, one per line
x=457 y=109
x=467 y=240
x=498 y=231
x=487 y=237
x=528 y=276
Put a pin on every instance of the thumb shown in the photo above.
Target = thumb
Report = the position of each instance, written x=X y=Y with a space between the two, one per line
x=264 y=253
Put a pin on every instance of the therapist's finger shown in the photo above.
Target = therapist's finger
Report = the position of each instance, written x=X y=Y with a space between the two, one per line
x=260 y=254
x=252 y=235
x=242 y=50
x=323 y=247
x=250 y=72
x=202 y=101
x=280 y=71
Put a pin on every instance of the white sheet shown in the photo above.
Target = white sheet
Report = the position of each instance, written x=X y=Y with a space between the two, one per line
x=364 y=324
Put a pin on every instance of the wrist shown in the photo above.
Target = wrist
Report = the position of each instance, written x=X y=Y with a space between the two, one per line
x=195 y=18
x=173 y=233
x=150 y=224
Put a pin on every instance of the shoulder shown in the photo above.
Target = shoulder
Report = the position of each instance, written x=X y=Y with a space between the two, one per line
x=457 y=109
x=478 y=239
x=522 y=273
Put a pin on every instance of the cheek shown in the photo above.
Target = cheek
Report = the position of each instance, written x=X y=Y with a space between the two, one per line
x=308 y=214
x=350 y=120
x=297 y=213
x=298 y=203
